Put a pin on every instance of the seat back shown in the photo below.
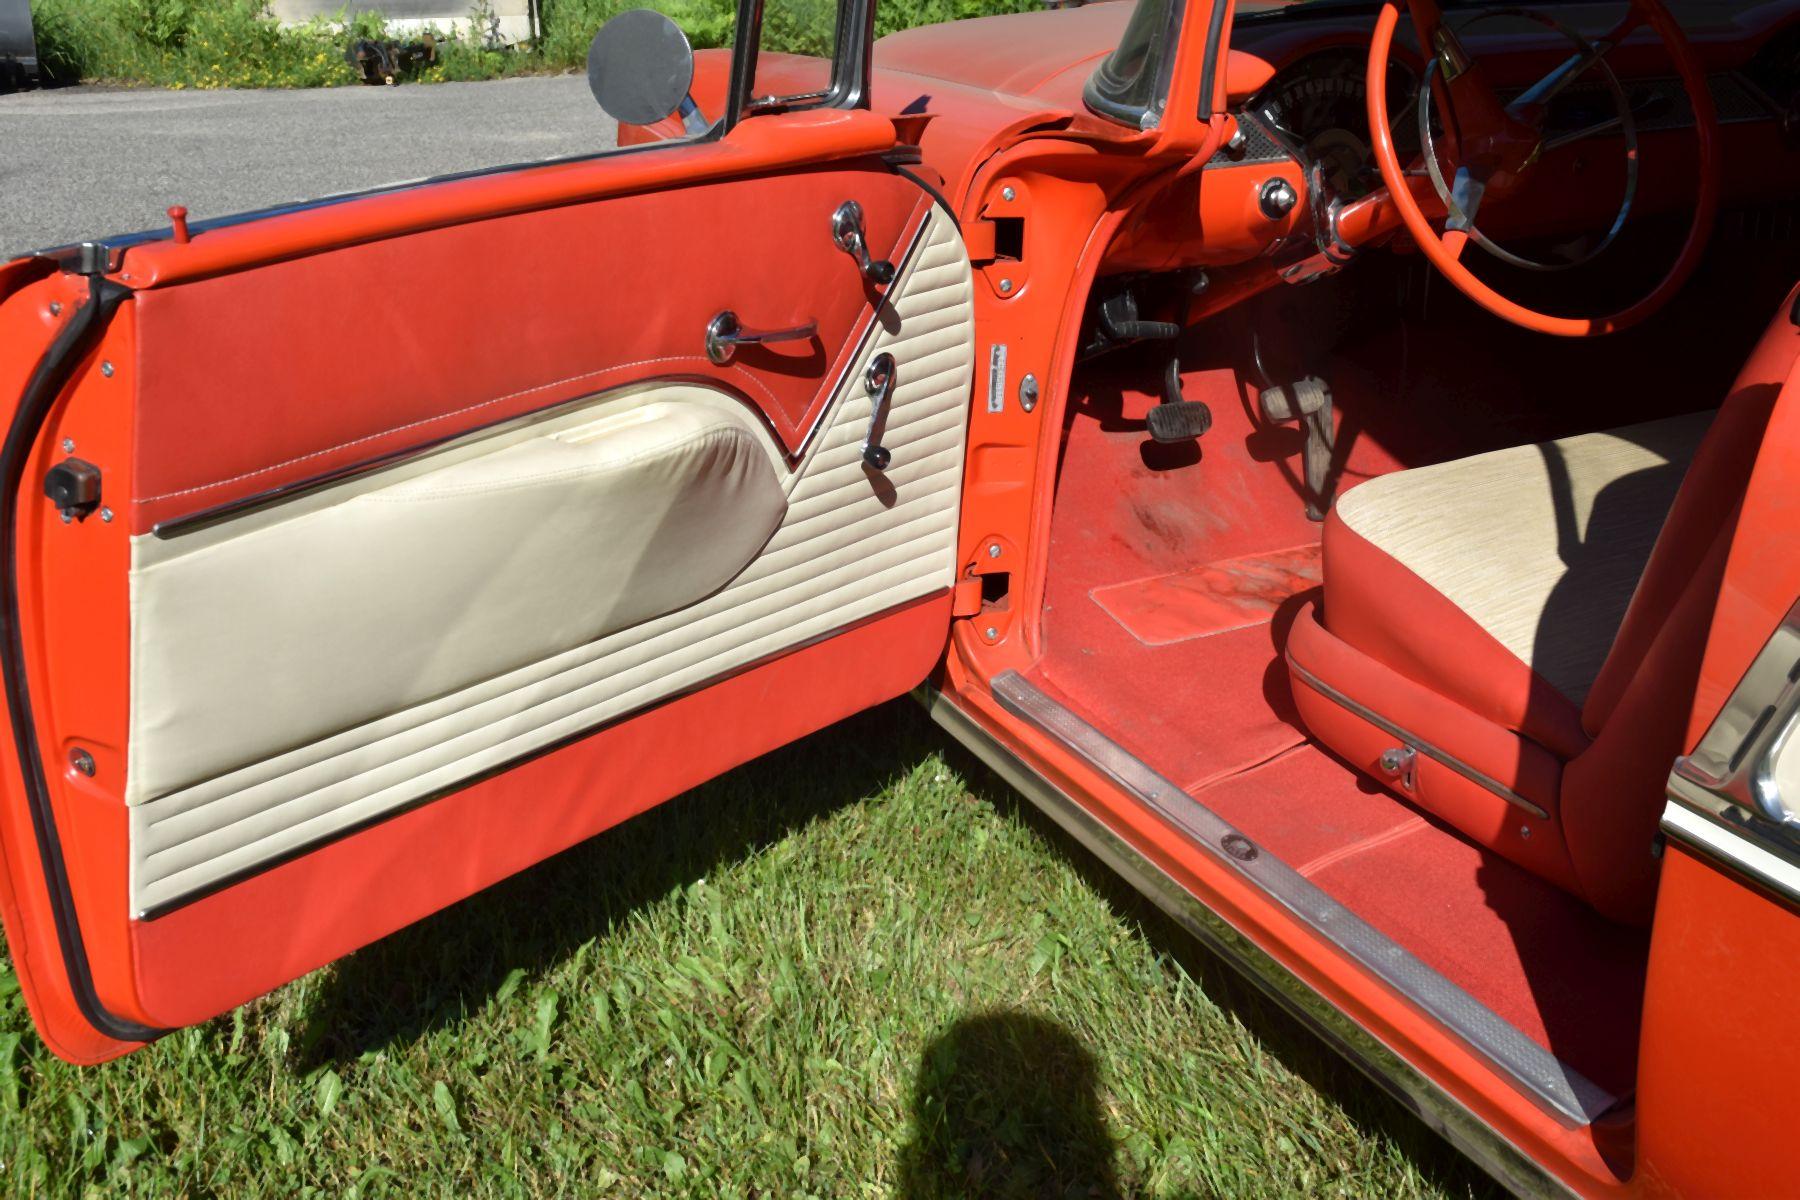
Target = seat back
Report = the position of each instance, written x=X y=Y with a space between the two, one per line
x=1640 y=707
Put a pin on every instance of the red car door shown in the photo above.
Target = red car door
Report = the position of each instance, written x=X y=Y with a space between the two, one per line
x=358 y=556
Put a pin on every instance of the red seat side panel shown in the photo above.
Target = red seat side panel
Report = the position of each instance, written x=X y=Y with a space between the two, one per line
x=1382 y=608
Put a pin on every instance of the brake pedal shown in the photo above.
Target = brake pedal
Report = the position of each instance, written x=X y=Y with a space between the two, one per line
x=1308 y=402
x=1177 y=419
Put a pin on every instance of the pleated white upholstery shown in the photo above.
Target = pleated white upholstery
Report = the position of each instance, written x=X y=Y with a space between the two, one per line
x=849 y=545
x=1512 y=535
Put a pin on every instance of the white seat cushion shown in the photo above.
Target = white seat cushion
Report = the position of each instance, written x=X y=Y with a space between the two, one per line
x=1541 y=546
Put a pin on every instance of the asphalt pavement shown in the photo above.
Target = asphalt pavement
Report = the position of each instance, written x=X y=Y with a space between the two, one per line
x=83 y=163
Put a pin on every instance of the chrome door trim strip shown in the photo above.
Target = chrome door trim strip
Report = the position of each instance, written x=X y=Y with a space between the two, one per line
x=229 y=510
x=1710 y=836
x=1554 y=1085
x=1725 y=799
x=204 y=518
x=1412 y=1089
x=118 y=243
x=1486 y=782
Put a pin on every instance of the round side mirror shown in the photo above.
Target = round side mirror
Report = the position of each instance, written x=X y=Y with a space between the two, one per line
x=640 y=67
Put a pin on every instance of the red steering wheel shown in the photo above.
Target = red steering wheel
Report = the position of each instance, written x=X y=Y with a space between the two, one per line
x=1492 y=144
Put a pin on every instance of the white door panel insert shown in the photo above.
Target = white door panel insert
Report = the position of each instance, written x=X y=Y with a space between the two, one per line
x=496 y=675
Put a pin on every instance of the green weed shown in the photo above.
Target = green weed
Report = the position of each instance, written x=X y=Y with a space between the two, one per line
x=236 y=43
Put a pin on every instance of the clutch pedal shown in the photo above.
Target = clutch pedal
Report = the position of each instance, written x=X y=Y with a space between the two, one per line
x=1177 y=419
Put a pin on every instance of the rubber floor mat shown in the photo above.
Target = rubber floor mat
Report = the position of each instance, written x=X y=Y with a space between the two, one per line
x=1216 y=598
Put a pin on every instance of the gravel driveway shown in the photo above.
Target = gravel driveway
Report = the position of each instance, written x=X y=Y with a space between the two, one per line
x=79 y=163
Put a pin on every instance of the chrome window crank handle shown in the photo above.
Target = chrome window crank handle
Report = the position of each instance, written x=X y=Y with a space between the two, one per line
x=847 y=233
x=879 y=380
x=725 y=333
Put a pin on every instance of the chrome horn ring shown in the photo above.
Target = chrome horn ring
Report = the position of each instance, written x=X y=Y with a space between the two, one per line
x=1626 y=123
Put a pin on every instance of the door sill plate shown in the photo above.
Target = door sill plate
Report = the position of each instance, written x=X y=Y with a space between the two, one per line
x=1553 y=1084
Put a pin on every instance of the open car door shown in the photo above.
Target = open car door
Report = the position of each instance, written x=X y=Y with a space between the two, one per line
x=358 y=556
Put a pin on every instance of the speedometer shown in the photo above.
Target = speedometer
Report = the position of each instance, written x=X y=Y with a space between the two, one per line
x=1319 y=105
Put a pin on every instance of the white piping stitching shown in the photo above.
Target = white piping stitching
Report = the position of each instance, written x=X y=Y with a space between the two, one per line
x=774 y=404
x=374 y=437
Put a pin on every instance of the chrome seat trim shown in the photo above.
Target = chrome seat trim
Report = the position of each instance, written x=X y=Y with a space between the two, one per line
x=1424 y=747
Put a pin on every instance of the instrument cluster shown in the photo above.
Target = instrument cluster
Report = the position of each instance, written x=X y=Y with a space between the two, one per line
x=1317 y=108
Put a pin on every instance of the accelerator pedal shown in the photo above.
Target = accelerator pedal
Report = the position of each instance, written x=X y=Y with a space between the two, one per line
x=1308 y=404
x=1177 y=419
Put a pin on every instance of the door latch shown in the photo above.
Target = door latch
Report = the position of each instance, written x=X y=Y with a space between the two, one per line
x=847 y=233
x=879 y=379
x=725 y=333
x=73 y=485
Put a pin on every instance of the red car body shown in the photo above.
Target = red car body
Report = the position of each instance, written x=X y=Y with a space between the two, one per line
x=279 y=687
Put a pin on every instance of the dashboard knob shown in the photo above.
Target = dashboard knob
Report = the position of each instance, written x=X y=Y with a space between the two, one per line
x=1277 y=199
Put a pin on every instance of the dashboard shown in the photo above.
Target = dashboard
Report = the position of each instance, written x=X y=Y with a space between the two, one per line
x=1314 y=110
x=1317 y=113
x=1301 y=139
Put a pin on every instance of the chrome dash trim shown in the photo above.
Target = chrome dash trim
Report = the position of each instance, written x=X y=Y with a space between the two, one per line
x=1424 y=747
x=1554 y=1085
x=1411 y=1088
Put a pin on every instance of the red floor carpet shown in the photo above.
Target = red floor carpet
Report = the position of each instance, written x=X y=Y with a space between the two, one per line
x=1173 y=577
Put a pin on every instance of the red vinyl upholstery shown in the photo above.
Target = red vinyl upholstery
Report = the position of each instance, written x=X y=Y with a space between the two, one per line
x=1564 y=777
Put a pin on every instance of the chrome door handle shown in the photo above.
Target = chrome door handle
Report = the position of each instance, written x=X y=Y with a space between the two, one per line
x=879 y=380
x=847 y=233
x=725 y=333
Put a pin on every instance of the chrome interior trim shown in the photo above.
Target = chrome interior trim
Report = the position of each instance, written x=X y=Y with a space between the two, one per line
x=205 y=518
x=1725 y=798
x=1423 y=747
x=118 y=243
x=901 y=261
x=1414 y=1091
x=269 y=497
x=1716 y=839
x=1554 y=1085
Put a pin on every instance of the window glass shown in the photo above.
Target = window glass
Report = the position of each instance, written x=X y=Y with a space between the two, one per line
x=1132 y=83
x=240 y=106
x=799 y=44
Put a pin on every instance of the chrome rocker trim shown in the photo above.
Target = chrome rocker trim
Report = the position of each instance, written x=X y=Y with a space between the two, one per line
x=1420 y=1095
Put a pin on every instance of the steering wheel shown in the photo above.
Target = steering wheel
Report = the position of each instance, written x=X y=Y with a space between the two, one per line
x=1493 y=144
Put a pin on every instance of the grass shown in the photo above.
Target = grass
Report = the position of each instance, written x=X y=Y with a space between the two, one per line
x=236 y=43
x=857 y=967
x=206 y=44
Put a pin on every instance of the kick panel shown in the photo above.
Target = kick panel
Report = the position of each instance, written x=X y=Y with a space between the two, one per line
x=380 y=641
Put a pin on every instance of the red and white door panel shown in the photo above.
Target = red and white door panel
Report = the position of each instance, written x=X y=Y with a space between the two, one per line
x=430 y=539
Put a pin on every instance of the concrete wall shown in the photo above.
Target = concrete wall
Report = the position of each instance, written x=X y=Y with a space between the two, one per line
x=514 y=15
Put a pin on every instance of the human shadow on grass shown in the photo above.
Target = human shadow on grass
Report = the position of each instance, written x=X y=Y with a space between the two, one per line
x=1373 y=1111
x=430 y=975
x=1006 y=1104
